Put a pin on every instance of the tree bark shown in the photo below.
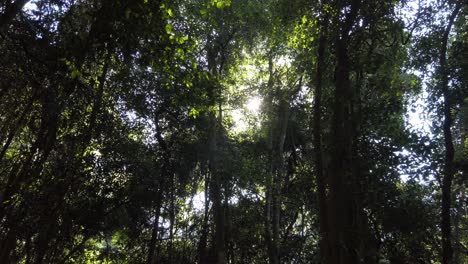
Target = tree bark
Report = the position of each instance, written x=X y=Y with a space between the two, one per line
x=317 y=137
x=216 y=57
x=216 y=189
x=202 y=244
x=341 y=210
x=172 y=214
x=278 y=123
x=449 y=168
x=152 y=252
x=161 y=185
x=270 y=170
x=283 y=118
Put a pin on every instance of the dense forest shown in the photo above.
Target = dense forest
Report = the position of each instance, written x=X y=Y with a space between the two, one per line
x=234 y=131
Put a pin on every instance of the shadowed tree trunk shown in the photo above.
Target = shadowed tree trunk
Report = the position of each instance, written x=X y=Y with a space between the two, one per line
x=270 y=170
x=161 y=185
x=283 y=116
x=215 y=144
x=202 y=243
x=216 y=190
x=449 y=168
x=341 y=210
x=317 y=138
x=152 y=252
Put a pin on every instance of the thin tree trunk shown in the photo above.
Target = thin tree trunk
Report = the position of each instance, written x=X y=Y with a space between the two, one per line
x=153 y=246
x=270 y=173
x=274 y=258
x=456 y=231
x=152 y=252
x=215 y=68
x=172 y=219
x=449 y=169
x=218 y=210
x=202 y=244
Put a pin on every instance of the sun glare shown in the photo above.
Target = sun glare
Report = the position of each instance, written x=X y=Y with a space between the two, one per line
x=241 y=116
x=253 y=104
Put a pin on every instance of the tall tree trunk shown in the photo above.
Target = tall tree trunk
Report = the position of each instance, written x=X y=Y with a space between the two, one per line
x=161 y=184
x=456 y=224
x=228 y=221
x=152 y=249
x=278 y=123
x=215 y=58
x=341 y=209
x=340 y=205
x=202 y=244
x=216 y=189
x=449 y=168
x=269 y=193
x=317 y=134
x=283 y=118
x=268 y=217
x=172 y=219
x=218 y=214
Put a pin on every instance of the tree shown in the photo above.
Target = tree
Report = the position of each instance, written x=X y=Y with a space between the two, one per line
x=218 y=131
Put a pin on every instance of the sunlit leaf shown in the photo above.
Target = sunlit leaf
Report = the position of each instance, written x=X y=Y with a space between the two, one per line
x=169 y=28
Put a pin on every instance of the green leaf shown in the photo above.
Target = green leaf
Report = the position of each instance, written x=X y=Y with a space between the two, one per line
x=193 y=113
x=169 y=28
x=182 y=39
x=170 y=13
x=180 y=52
x=75 y=73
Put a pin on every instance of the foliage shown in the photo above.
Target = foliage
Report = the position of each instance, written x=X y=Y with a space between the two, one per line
x=126 y=135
